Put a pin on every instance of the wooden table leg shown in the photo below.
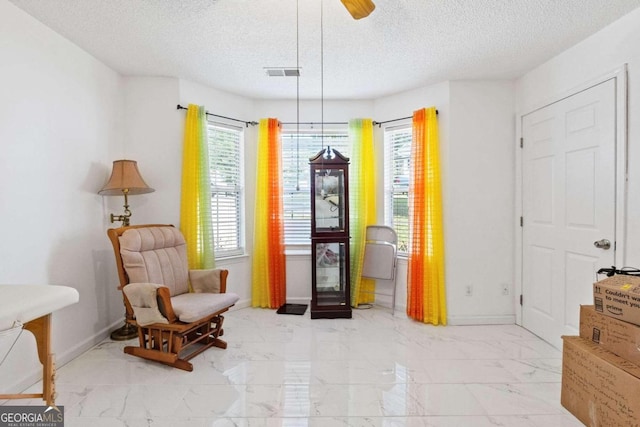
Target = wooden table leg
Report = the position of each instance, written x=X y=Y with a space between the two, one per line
x=41 y=330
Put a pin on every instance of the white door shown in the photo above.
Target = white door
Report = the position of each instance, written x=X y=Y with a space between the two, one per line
x=569 y=201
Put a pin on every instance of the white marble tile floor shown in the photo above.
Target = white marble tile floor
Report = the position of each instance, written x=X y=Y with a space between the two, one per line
x=287 y=370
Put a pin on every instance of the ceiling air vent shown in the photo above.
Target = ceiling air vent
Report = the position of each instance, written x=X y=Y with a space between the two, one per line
x=282 y=71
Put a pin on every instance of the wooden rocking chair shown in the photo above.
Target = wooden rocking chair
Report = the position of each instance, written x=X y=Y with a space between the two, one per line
x=157 y=255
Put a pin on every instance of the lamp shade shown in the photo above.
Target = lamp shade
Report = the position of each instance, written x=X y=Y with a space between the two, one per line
x=125 y=176
x=359 y=8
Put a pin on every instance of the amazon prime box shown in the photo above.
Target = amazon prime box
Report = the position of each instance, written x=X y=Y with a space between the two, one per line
x=618 y=297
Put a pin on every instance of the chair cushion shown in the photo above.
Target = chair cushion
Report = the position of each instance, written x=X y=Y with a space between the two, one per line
x=205 y=280
x=191 y=307
x=156 y=255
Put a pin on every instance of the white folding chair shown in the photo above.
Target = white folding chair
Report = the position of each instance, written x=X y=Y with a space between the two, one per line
x=380 y=254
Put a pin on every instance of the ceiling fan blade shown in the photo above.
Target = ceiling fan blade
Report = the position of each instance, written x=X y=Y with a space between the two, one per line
x=359 y=8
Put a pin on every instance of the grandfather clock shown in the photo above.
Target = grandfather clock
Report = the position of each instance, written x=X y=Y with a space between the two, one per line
x=330 y=291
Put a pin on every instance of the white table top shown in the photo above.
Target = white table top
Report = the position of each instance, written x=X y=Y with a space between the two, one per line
x=28 y=302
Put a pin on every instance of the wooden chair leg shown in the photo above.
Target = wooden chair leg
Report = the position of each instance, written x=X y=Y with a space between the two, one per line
x=165 y=345
x=220 y=343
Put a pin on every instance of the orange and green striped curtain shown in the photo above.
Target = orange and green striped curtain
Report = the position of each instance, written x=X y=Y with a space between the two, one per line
x=362 y=205
x=269 y=272
x=195 y=198
x=426 y=300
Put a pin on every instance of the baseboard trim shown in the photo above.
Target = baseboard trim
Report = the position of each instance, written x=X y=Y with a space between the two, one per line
x=401 y=312
x=246 y=303
x=299 y=300
x=481 y=320
x=75 y=351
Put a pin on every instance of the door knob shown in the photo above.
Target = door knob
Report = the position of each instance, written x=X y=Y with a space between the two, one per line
x=602 y=244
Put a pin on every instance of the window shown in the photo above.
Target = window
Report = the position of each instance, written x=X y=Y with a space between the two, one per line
x=397 y=143
x=225 y=164
x=295 y=167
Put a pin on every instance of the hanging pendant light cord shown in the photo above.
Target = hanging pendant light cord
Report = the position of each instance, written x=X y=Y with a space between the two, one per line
x=297 y=96
x=322 y=72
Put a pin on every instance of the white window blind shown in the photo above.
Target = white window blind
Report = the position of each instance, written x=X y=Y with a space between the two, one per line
x=227 y=189
x=296 y=175
x=397 y=143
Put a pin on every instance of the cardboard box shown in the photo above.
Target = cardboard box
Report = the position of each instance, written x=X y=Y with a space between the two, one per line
x=598 y=387
x=619 y=297
x=621 y=338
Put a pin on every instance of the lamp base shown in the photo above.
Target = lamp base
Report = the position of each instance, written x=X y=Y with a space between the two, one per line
x=126 y=332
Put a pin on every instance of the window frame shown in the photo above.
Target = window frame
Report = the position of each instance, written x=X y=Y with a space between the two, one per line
x=238 y=189
x=395 y=188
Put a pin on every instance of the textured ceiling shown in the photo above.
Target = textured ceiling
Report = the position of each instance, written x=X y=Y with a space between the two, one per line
x=402 y=45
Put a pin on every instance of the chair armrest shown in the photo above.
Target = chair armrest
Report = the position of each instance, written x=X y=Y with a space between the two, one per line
x=209 y=281
x=163 y=297
x=143 y=299
x=164 y=304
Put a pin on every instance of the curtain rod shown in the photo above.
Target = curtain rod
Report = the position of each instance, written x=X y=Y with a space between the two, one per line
x=180 y=107
x=395 y=120
x=314 y=123
x=391 y=121
x=379 y=124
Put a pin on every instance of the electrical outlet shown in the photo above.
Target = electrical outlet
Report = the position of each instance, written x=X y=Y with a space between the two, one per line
x=505 y=289
x=468 y=291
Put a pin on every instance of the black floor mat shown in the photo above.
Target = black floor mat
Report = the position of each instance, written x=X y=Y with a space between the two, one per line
x=298 y=309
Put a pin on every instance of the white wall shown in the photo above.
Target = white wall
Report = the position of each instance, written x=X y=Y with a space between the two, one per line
x=153 y=137
x=480 y=203
x=596 y=56
x=60 y=122
x=312 y=111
